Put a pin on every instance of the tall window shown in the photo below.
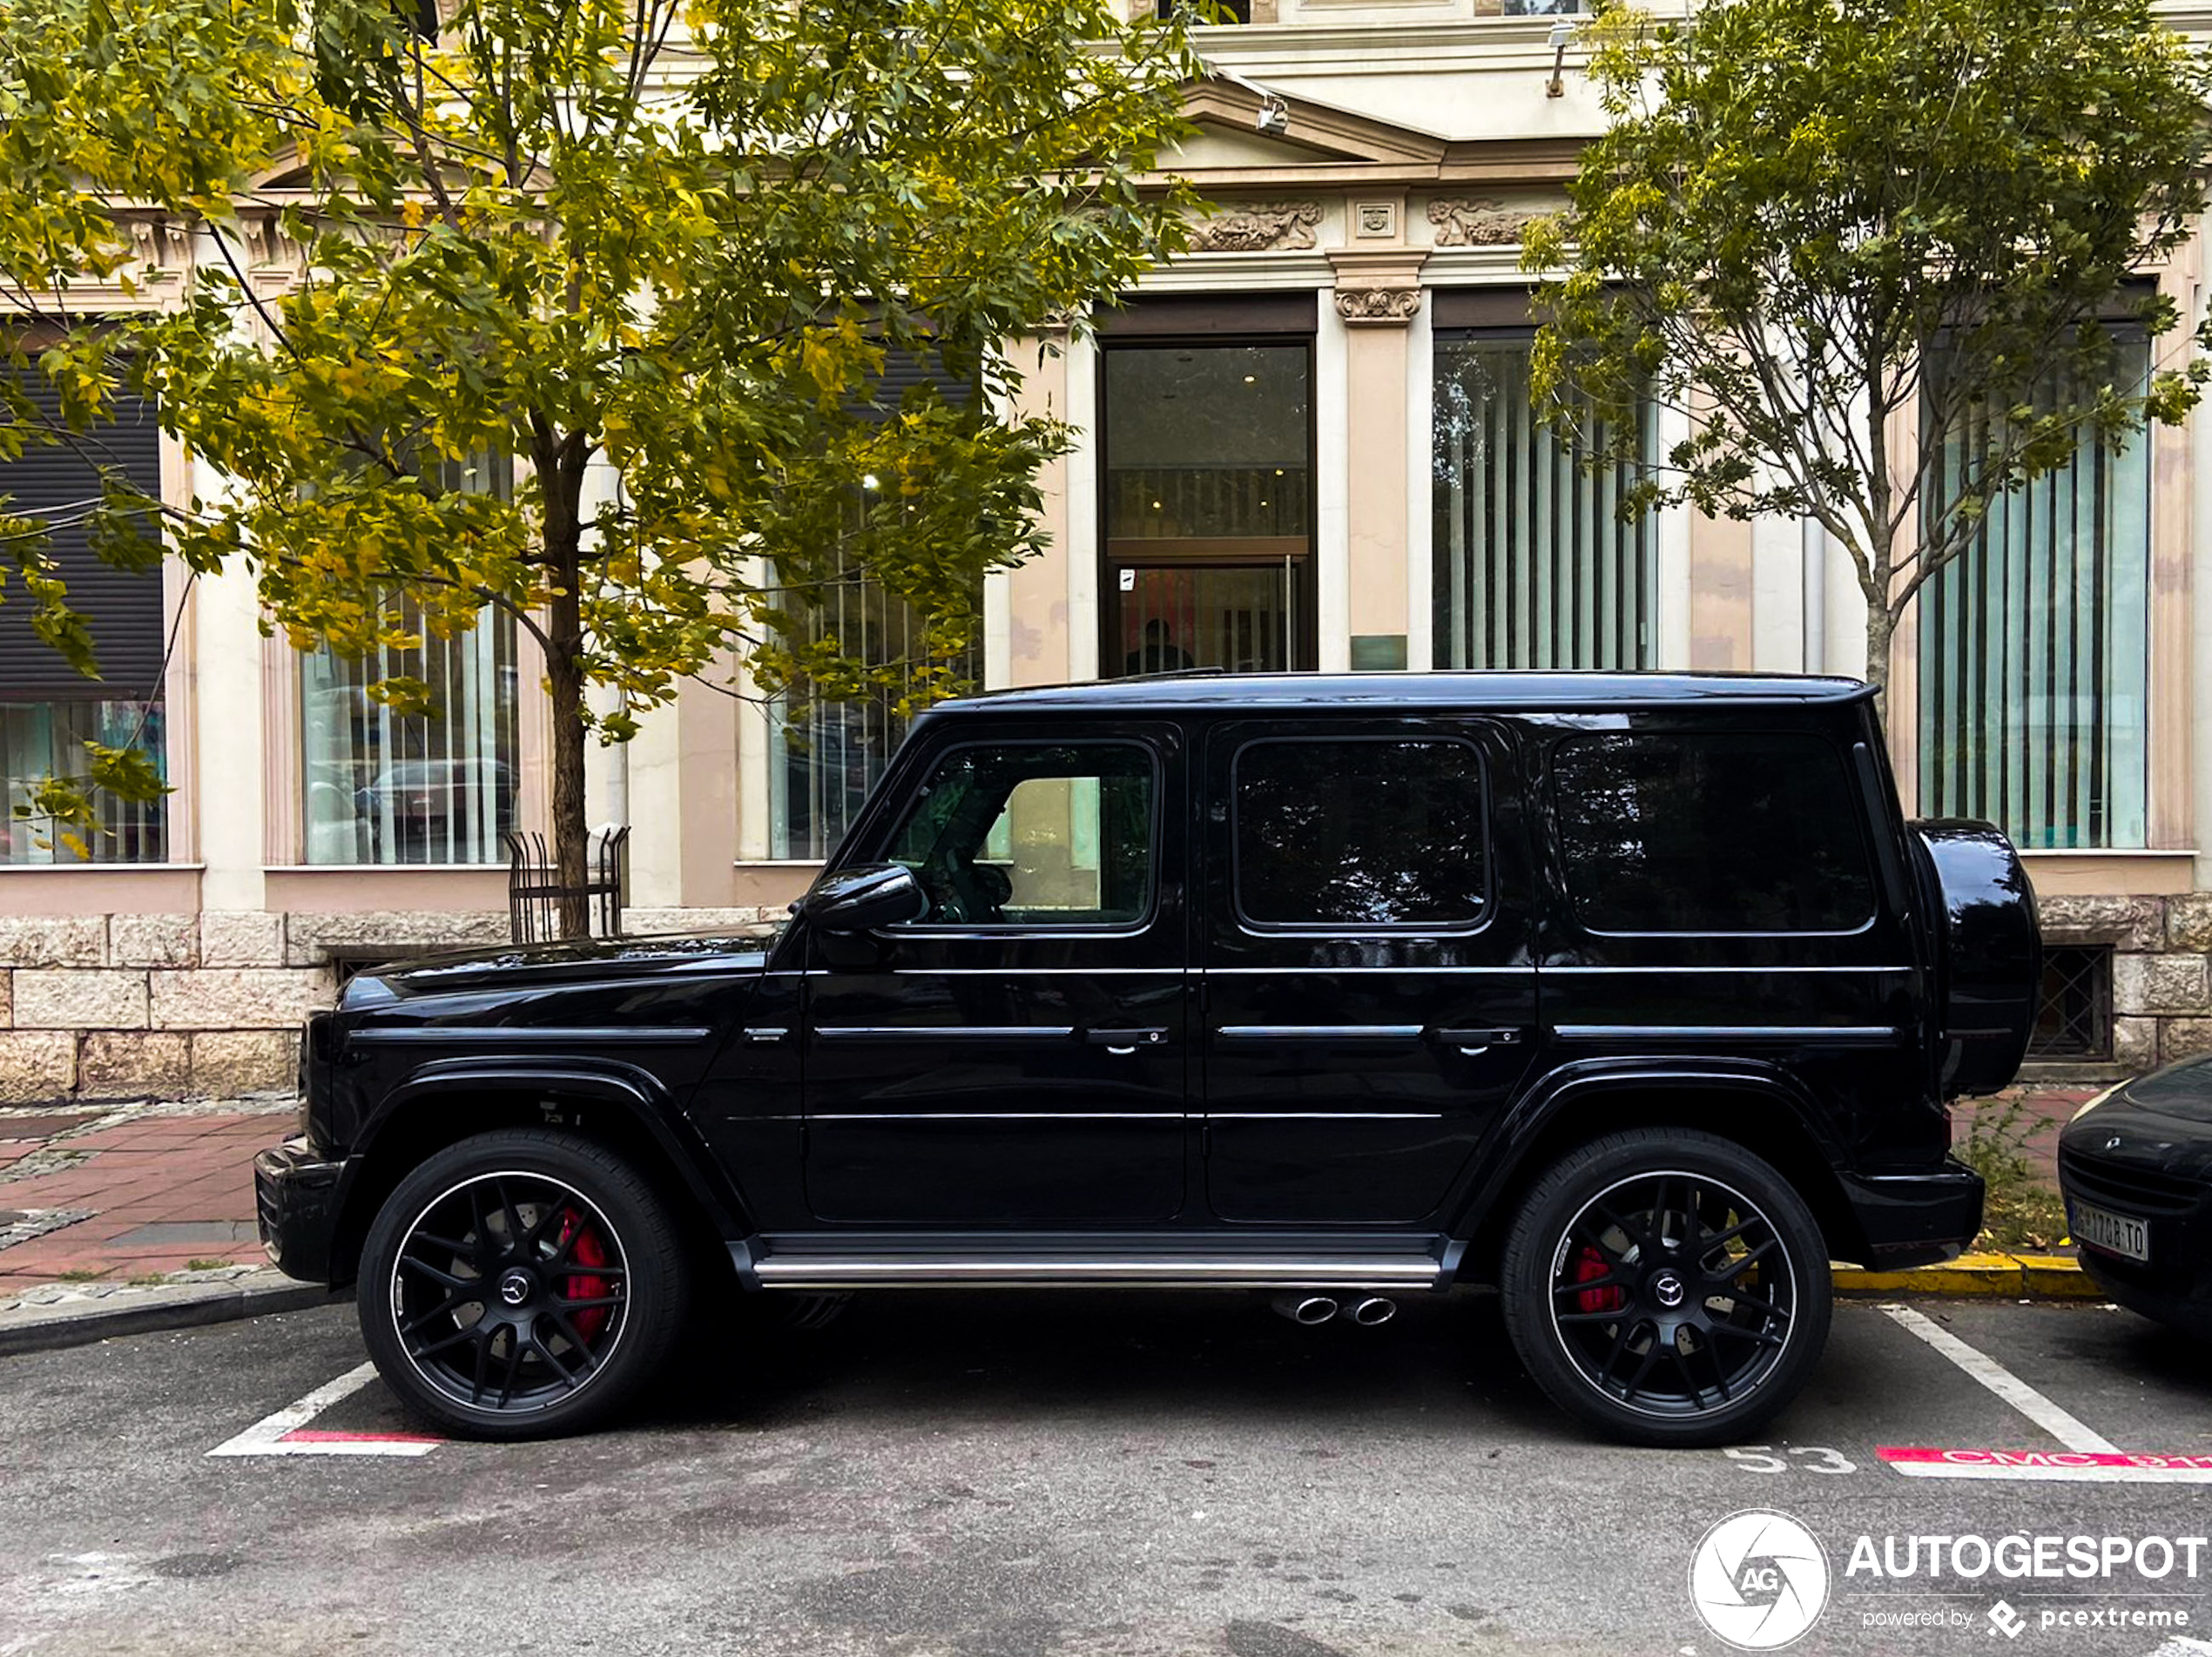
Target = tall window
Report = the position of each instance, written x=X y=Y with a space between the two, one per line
x=1209 y=507
x=49 y=711
x=828 y=754
x=2034 y=651
x=1533 y=567
x=438 y=786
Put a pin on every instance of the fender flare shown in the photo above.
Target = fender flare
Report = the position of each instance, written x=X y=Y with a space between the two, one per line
x=1505 y=1149
x=634 y=1091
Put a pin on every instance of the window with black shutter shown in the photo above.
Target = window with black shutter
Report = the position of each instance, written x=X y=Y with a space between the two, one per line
x=58 y=484
x=48 y=710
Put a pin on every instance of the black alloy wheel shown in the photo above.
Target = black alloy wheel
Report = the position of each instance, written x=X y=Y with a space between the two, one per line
x=520 y=1284
x=1668 y=1287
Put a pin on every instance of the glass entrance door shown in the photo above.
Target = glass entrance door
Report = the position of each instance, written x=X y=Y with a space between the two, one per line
x=1175 y=617
x=1208 y=508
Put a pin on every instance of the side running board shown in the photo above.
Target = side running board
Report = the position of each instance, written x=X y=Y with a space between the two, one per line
x=801 y=1261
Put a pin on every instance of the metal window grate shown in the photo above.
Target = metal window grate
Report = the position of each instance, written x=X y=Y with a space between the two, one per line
x=2075 y=1021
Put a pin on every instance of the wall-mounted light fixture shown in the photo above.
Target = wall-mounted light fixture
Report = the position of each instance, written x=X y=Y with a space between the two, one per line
x=1561 y=34
x=1274 y=114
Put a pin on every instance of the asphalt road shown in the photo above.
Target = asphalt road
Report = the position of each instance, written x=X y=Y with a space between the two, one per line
x=1109 y=1475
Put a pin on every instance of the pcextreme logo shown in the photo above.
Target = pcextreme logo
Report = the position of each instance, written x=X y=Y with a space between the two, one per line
x=1758 y=1579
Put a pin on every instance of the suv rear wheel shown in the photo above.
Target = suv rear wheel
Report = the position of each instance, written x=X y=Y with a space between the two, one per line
x=1667 y=1286
x=521 y=1283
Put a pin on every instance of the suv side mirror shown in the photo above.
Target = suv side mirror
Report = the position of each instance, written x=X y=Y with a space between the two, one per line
x=863 y=898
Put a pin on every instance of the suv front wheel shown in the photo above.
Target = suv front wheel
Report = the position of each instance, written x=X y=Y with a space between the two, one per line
x=521 y=1283
x=1667 y=1286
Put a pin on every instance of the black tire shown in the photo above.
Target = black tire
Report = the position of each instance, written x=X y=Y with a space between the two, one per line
x=586 y=1285
x=1666 y=1287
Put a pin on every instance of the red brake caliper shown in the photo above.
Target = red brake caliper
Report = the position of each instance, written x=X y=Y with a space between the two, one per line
x=589 y=1251
x=1589 y=1266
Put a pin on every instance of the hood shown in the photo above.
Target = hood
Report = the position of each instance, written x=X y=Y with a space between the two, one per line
x=522 y=967
x=2182 y=1091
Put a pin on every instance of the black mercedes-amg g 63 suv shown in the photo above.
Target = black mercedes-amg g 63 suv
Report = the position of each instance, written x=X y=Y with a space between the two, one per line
x=1631 y=997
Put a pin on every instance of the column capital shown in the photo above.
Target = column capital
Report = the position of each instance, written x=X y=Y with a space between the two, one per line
x=1378 y=286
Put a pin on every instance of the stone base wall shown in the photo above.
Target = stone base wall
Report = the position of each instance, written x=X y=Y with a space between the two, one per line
x=2161 y=988
x=206 y=1005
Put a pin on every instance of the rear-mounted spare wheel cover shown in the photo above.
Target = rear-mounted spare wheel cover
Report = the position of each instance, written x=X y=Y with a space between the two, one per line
x=1991 y=969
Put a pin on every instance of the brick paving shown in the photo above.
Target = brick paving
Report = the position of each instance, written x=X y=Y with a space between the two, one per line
x=161 y=1186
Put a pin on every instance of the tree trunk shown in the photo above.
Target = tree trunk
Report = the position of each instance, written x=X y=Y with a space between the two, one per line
x=564 y=691
x=564 y=684
x=1881 y=636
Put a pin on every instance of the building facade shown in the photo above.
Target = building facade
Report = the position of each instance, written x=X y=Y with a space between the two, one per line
x=1307 y=443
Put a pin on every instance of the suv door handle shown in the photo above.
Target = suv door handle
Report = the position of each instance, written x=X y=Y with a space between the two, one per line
x=1472 y=1041
x=1124 y=1042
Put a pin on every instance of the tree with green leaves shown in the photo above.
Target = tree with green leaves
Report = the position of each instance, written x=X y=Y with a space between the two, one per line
x=1839 y=235
x=680 y=237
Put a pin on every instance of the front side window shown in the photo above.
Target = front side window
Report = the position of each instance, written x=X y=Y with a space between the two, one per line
x=1534 y=566
x=2035 y=649
x=1353 y=835
x=1031 y=835
x=1754 y=832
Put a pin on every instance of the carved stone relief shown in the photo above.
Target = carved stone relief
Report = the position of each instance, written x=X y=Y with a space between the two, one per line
x=1478 y=223
x=1263 y=227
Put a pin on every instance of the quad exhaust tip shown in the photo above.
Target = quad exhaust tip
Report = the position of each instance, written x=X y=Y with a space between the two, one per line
x=1305 y=1309
x=1367 y=1310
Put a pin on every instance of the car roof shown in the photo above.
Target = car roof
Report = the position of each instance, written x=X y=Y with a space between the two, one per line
x=1426 y=691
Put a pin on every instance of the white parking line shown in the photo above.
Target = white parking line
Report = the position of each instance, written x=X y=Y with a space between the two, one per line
x=2006 y=1385
x=286 y=1433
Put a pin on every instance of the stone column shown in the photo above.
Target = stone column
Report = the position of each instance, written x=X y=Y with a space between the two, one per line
x=1378 y=293
x=1029 y=610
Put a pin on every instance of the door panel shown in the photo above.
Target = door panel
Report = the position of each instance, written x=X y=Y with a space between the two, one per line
x=1018 y=1056
x=1369 y=989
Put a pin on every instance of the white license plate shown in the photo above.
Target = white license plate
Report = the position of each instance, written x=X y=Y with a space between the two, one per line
x=2113 y=1233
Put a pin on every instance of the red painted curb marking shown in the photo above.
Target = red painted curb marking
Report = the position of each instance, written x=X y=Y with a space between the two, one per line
x=320 y=1436
x=2060 y=1466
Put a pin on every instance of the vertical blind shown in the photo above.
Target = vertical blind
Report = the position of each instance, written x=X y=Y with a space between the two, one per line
x=1534 y=566
x=384 y=787
x=43 y=739
x=827 y=755
x=2034 y=648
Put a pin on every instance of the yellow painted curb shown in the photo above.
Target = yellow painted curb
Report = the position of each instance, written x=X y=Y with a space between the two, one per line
x=2015 y=1276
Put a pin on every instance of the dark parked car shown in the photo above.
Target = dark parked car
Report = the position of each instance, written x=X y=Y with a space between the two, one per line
x=2136 y=1169
x=1629 y=996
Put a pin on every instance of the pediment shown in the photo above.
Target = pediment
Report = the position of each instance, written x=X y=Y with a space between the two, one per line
x=1227 y=114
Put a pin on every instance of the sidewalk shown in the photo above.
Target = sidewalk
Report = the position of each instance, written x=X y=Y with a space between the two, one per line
x=130 y=1194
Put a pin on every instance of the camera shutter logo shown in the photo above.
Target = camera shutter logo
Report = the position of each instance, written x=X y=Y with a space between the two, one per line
x=1758 y=1579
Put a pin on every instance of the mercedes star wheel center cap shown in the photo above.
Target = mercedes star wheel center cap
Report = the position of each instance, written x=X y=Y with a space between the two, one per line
x=1666 y=1288
x=515 y=1288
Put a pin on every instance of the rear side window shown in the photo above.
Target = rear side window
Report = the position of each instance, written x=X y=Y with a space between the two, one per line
x=1358 y=834
x=1751 y=833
